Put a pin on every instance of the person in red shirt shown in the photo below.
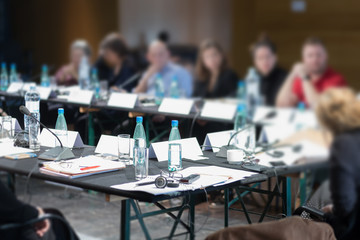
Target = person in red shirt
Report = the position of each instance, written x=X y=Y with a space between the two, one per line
x=310 y=77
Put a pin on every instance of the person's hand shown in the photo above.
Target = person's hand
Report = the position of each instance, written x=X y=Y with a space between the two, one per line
x=299 y=70
x=328 y=208
x=42 y=227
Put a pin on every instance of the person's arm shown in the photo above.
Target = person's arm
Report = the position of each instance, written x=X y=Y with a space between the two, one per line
x=185 y=82
x=286 y=96
x=142 y=85
x=311 y=95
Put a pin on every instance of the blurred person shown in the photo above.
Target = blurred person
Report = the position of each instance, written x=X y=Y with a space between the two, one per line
x=213 y=77
x=263 y=53
x=112 y=63
x=338 y=111
x=310 y=77
x=14 y=211
x=68 y=74
x=158 y=56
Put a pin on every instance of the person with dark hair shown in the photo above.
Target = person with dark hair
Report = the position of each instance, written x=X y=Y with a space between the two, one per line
x=213 y=77
x=272 y=76
x=68 y=74
x=112 y=65
x=310 y=77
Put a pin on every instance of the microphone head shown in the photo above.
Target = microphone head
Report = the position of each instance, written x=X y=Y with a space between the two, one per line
x=24 y=110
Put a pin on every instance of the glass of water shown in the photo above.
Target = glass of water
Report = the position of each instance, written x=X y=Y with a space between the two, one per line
x=141 y=161
x=175 y=159
x=124 y=148
x=7 y=131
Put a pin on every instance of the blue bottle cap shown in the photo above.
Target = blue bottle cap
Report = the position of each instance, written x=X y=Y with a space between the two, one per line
x=241 y=83
x=32 y=88
x=13 y=66
x=139 y=119
x=241 y=107
x=60 y=111
x=174 y=123
x=301 y=106
x=44 y=67
x=94 y=71
x=3 y=64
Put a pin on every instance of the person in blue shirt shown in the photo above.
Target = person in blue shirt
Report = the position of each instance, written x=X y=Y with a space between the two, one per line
x=158 y=56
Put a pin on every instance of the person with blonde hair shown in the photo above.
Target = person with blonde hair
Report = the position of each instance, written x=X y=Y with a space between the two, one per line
x=338 y=111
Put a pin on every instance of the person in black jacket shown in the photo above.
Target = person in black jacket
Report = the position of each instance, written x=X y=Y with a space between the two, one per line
x=272 y=76
x=14 y=211
x=213 y=77
x=338 y=110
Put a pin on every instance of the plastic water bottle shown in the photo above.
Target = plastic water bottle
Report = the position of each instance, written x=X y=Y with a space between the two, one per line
x=174 y=133
x=94 y=83
x=61 y=128
x=300 y=112
x=45 y=80
x=139 y=129
x=4 y=80
x=174 y=88
x=32 y=102
x=252 y=91
x=13 y=74
x=84 y=70
x=159 y=89
x=240 y=119
x=174 y=152
x=241 y=92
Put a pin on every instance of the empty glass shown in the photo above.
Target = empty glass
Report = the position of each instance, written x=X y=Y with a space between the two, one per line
x=6 y=130
x=246 y=140
x=141 y=161
x=34 y=132
x=175 y=159
x=104 y=89
x=124 y=148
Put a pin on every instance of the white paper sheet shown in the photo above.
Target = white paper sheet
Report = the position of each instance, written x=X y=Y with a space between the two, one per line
x=124 y=100
x=218 y=110
x=80 y=96
x=44 y=92
x=8 y=148
x=177 y=106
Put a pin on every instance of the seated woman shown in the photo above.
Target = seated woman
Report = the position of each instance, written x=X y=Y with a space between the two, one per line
x=213 y=77
x=272 y=76
x=112 y=63
x=338 y=110
x=68 y=74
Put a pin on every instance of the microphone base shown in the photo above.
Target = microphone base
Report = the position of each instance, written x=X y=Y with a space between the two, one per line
x=57 y=154
x=223 y=151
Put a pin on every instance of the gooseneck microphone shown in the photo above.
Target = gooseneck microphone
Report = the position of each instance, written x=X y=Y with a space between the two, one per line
x=57 y=153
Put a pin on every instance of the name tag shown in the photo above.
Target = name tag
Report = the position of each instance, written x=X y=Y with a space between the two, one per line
x=177 y=106
x=44 y=92
x=123 y=100
x=109 y=145
x=216 y=140
x=218 y=110
x=81 y=96
x=49 y=140
x=15 y=87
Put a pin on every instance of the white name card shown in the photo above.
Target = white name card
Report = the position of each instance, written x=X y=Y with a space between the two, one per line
x=81 y=96
x=216 y=140
x=26 y=86
x=49 y=140
x=124 y=100
x=218 y=110
x=109 y=145
x=190 y=148
x=44 y=92
x=177 y=106
x=15 y=87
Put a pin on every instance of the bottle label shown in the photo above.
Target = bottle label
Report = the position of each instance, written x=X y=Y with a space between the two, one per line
x=33 y=106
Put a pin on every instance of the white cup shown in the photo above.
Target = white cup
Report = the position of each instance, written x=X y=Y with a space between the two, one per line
x=235 y=156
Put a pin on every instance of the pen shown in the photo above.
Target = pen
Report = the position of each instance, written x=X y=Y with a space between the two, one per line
x=145 y=183
x=88 y=168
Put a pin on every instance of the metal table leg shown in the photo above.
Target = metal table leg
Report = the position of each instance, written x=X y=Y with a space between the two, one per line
x=226 y=208
x=91 y=136
x=125 y=220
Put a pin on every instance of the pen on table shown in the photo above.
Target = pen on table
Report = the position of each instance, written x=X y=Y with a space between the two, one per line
x=145 y=183
x=88 y=168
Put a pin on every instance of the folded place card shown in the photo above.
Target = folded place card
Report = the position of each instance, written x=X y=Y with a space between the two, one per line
x=26 y=86
x=216 y=140
x=15 y=87
x=109 y=145
x=124 y=100
x=80 y=96
x=48 y=140
x=44 y=92
x=177 y=106
x=218 y=110
x=190 y=148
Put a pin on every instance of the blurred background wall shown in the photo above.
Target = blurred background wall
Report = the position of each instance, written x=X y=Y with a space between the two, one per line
x=42 y=30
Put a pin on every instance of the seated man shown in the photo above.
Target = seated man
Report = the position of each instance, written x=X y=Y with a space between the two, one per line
x=159 y=58
x=14 y=211
x=309 y=78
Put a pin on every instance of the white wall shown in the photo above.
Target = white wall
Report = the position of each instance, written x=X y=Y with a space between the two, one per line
x=187 y=21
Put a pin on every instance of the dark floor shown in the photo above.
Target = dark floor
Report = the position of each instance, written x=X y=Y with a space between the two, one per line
x=94 y=218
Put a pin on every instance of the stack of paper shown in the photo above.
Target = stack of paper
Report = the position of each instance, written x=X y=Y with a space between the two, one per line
x=81 y=167
x=209 y=176
x=7 y=148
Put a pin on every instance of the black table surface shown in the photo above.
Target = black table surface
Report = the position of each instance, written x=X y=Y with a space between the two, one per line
x=103 y=182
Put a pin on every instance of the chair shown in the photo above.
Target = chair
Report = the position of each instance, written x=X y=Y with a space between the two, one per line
x=15 y=226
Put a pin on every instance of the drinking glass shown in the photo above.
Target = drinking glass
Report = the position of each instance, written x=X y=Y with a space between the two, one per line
x=7 y=131
x=174 y=160
x=104 y=89
x=34 y=132
x=141 y=161
x=124 y=148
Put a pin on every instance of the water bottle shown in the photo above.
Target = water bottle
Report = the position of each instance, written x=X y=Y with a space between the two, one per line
x=139 y=137
x=159 y=89
x=94 y=83
x=45 y=80
x=174 y=152
x=61 y=128
x=13 y=75
x=241 y=92
x=174 y=88
x=32 y=102
x=300 y=111
x=252 y=91
x=84 y=69
x=4 y=81
x=240 y=119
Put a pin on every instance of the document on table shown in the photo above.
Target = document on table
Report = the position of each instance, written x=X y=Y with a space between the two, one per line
x=209 y=176
x=7 y=148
